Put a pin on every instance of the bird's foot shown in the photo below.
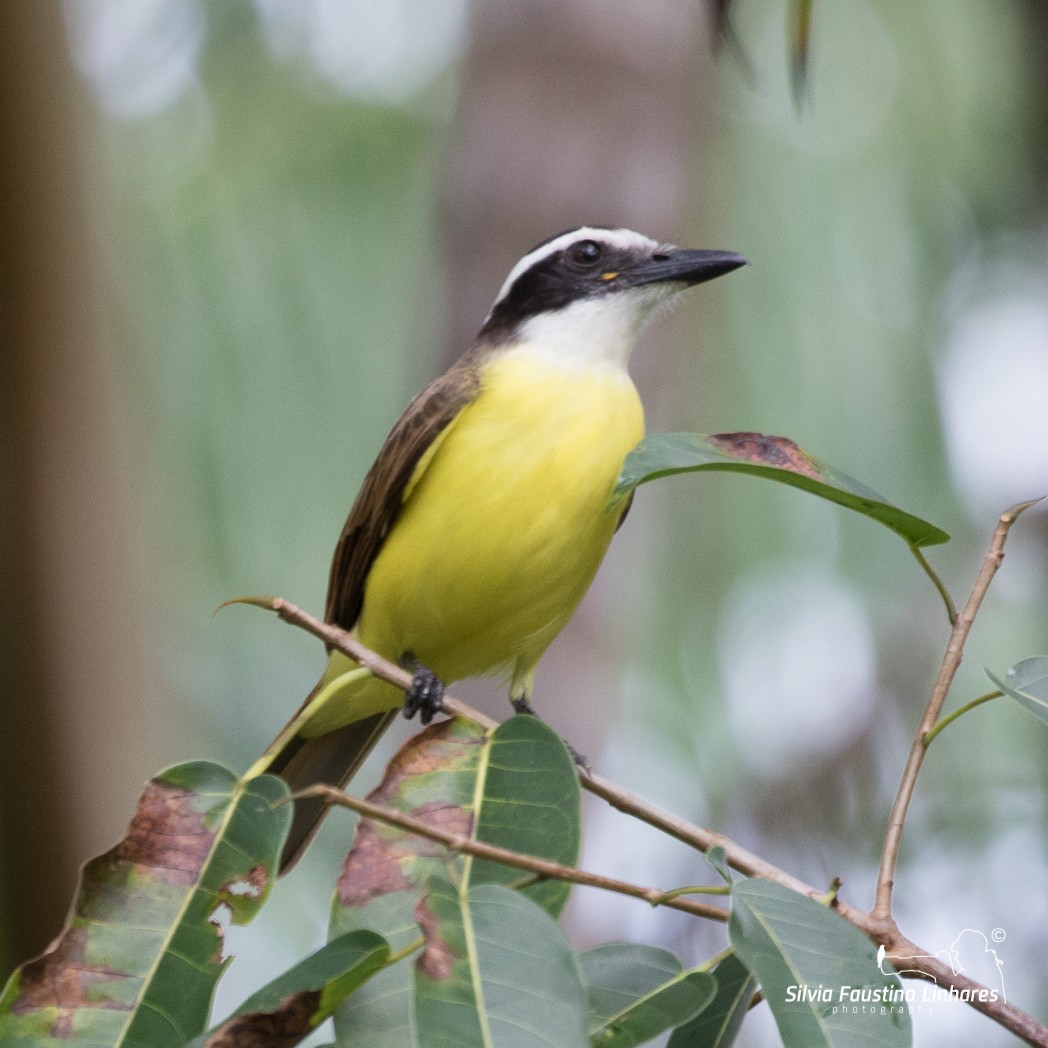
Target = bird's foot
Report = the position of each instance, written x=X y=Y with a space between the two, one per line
x=580 y=759
x=522 y=706
x=426 y=696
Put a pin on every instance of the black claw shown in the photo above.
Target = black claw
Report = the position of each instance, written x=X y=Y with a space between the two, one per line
x=522 y=705
x=426 y=697
x=580 y=759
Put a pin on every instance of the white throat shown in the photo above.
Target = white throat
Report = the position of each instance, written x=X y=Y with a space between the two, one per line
x=596 y=332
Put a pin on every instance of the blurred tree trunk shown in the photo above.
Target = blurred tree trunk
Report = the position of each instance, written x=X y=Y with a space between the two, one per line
x=576 y=112
x=68 y=678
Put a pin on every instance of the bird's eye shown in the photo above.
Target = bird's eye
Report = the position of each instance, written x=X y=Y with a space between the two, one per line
x=586 y=253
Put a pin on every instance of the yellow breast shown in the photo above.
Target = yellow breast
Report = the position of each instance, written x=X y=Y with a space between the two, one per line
x=507 y=523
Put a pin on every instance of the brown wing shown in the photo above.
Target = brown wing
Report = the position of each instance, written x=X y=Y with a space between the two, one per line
x=382 y=493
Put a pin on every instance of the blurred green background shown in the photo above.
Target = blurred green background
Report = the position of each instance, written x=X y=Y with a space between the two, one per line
x=238 y=236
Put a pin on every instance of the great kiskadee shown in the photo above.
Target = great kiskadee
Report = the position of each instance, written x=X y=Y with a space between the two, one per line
x=489 y=508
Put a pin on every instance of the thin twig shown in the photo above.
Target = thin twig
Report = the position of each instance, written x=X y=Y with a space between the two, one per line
x=618 y=797
x=331 y=635
x=544 y=868
x=739 y=858
x=951 y=610
x=947 y=671
x=959 y=712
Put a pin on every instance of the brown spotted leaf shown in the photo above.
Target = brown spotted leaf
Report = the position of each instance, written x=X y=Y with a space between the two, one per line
x=774 y=458
x=514 y=787
x=289 y=1008
x=137 y=962
x=496 y=972
x=431 y=778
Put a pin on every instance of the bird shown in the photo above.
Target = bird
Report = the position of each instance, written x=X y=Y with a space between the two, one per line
x=489 y=508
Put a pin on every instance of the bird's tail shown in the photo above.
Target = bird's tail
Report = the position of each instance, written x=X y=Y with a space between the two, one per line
x=326 y=742
x=331 y=759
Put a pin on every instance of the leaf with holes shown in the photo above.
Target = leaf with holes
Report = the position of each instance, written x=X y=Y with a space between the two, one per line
x=141 y=952
x=290 y=1007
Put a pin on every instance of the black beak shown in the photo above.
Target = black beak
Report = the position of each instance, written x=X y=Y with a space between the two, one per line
x=675 y=264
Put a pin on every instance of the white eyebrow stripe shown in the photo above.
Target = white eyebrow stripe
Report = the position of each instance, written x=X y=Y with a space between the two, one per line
x=620 y=238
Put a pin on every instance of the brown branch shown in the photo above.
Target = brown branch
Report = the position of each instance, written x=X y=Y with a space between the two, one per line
x=881 y=929
x=544 y=868
x=739 y=858
x=947 y=671
x=919 y=963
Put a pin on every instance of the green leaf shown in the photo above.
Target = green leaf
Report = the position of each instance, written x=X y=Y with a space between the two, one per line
x=497 y=972
x=820 y=976
x=775 y=458
x=286 y=1010
x=141 y=952
x=514 y=787
x=718 y=1024
x=432 y=778
x=381 y=1014
x=1027 y=683
x=636 y=992
x=527 y=800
